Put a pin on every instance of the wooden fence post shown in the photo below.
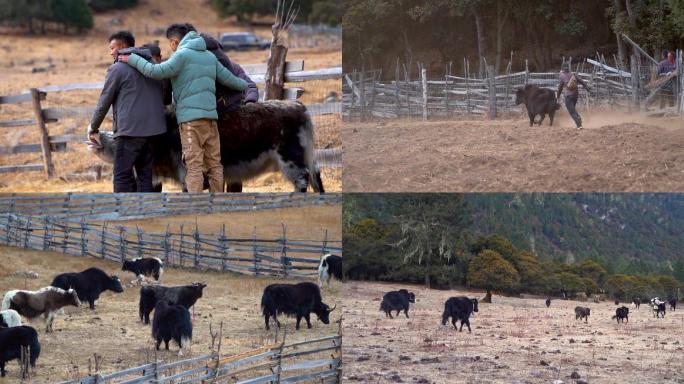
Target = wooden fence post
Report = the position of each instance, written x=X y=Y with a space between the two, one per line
x=28 y=231
x=275 y=72
x=255 y=252
x=65 y=240
x=196 y=236
x=42 y=130
x=397 y=101
x=122 y=243
x=635 y=81
x=466 y=72
x=180 y=247
x=103 y=244
x=423 y=77
x=140 y=240
x=283 y=252
x=84 y=247
x=46 y=230
x=223 y=247
x=492 y=91
x=167 y=245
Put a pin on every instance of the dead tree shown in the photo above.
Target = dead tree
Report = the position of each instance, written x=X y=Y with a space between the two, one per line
x=275 y=73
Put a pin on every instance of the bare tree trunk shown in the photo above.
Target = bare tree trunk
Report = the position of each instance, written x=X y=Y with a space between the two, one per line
x=622 y=53
x=275 y=73
x=481 y=44
x=501 y=18
x=488 y=297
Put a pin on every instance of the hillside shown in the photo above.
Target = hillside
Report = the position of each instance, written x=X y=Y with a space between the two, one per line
x=634 y=233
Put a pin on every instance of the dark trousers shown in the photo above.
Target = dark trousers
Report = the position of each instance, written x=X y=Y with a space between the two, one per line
x=570 y=102
x=133 y=153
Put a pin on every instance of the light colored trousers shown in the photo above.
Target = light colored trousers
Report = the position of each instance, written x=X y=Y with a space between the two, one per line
x=202 y=154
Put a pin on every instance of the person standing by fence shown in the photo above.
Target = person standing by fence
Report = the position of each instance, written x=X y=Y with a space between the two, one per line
x=569 y=85
x=665 y=67
x=138 y=114
x=193 y=72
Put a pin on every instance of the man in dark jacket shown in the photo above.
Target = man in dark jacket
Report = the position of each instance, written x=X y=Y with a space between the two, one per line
x=138 y=113
x=569 y=84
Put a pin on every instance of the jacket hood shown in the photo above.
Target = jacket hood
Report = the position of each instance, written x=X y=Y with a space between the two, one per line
x=193 y=41
x=142 y=52
x=211 y=42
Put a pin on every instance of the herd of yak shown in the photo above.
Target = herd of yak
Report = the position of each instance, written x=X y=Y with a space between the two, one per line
x=171 y=320
x=460 y=308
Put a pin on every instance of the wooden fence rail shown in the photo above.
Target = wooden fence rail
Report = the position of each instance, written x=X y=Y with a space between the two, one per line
x=122 y=206
x=366 y=96
x=186 y=248
x=317 y=360
x=294 y=72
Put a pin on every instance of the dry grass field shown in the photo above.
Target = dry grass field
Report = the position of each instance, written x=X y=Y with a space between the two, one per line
x=114 y=332
x=85 y=58
x=301 y=223
x=615 y=152
x=513 y=340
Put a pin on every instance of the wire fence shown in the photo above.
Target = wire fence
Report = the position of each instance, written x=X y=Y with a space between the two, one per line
x=187 y=248
x=124 y=206
x=312 y=361
x=366 y=95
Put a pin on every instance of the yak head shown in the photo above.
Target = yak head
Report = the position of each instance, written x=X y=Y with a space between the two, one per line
x=105 y=150
x=474 y=301
x=323 y=312
x=198 y=288
x=409 y=295
x=519 y=96
x=72 y=298
x=115 y=284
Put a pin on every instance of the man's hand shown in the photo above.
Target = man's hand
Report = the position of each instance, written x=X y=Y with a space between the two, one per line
x=123 y=58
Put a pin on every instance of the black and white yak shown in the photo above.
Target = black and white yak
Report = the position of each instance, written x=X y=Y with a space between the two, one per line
x=658 y=307
x=274 y=135
x=89 y=284
x=330 y=266
x=171 y=322
x=9 y=318
x=297 y=300
x=46 y=301
x=11 y=342
x=145 y=266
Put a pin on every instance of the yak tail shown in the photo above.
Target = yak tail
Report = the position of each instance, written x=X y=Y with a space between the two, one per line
x=310 y=156
x=34 y=351
x=614 y=317
x=266 y=303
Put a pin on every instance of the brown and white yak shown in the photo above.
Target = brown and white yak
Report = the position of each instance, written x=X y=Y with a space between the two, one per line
x=45 y=301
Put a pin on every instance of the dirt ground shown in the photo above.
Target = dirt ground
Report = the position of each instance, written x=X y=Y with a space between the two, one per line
x=301 y=223
x=114 y=332
x=85 y=58
x=615 y=152
x=513 y=340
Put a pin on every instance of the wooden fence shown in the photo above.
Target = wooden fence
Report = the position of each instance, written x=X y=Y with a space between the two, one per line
x=186 y=248
x=312 y=361
x=365 y=96
x=294 y=73
x=123 y=206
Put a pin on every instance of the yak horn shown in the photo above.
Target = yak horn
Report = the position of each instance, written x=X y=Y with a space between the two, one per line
x=332 y=309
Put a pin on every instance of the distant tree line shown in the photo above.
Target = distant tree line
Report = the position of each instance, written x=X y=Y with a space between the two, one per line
x=310 y=11
x=427 y=239
x=378 y=32
x=39 y=16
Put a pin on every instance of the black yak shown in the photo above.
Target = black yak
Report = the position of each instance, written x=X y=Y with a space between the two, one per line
x=297 y=300
x=150 y=295
x=89 y=284
x=538 y=101
x=459 y=308
x=11 y=342
x=171 y=322
x=397 y=301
